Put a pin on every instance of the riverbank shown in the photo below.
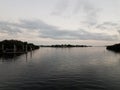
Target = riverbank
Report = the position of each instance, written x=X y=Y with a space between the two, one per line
x=115 y=47
x=15 y=46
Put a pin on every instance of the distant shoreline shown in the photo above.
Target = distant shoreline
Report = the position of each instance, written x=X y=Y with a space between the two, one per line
x=64 y=46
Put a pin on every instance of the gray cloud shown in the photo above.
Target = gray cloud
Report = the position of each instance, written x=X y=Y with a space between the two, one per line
x=48 y=31
x=108 y=25
x=9 y=28
x=119 y=31
x=90 y=11
x=35 y=24
x=61 y=7
x=79 y=7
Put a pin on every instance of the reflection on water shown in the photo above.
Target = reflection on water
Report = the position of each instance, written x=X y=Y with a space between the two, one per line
x=92 y=68
x=14 y=56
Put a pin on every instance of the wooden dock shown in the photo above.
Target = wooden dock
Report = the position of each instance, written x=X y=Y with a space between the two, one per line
x=13 y=52
x=16 y=47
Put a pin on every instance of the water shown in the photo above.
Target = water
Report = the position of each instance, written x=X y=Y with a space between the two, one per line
x=92 y=68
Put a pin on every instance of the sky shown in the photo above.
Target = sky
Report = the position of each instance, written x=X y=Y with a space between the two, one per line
x=46 y=22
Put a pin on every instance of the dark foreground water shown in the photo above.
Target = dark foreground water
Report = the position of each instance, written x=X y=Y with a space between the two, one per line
x=92 y=68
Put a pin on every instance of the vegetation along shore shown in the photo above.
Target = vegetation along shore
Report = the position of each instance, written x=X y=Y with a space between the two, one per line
x=115 y=47
x=16 y=46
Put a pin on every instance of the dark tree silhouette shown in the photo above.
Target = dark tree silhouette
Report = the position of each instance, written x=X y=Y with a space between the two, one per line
x=18 y=46
x=115 y=47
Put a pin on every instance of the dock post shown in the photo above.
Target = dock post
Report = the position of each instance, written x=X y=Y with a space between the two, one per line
x=2 y=47
x=23 y=48
x=26 y=48
x=14 y=48
x=30 y=48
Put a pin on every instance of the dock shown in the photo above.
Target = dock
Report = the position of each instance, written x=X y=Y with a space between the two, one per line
x=16 y=47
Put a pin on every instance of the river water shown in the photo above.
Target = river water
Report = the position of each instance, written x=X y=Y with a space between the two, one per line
x=90 y=68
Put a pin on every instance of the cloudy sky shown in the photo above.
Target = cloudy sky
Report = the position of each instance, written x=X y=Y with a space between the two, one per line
x=91 y=22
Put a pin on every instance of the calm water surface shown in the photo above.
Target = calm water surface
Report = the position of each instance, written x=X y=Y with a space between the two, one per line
x=92 y=68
